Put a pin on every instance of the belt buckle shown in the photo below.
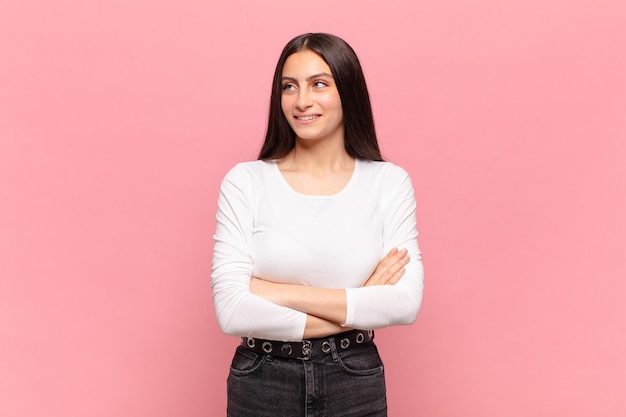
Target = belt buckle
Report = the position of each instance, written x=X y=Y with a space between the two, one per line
x=306 y=350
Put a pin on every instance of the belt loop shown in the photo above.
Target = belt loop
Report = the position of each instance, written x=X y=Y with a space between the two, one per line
x=333 y=349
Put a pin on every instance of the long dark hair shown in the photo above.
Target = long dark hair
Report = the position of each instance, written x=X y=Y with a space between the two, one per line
x=359 y=133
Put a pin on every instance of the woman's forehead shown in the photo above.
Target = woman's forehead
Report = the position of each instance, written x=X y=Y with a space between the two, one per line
x=305 y=63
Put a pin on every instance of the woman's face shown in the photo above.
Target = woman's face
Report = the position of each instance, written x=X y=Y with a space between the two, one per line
x=310 y=100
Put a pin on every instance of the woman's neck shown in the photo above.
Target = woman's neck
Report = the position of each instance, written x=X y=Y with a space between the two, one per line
x=319 y=157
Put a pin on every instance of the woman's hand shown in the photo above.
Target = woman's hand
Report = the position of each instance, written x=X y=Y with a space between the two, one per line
x=390 y=269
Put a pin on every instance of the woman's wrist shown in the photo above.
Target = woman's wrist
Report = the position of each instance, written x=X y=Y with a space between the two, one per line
x=319 y=327
x=271 y=291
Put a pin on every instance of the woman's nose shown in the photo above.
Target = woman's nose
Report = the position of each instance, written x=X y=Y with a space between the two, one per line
x=304 y=100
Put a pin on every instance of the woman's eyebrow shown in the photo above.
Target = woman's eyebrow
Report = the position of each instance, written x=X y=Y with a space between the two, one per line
x=321 y=74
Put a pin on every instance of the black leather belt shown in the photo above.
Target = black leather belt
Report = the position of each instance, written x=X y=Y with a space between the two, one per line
x=308 y=348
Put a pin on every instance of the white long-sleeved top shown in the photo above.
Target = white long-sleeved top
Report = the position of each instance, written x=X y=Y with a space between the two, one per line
x=268 y=230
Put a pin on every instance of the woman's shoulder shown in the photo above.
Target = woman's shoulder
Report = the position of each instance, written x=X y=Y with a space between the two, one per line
x=245 y=176
x=249 y=169
x=383 y=169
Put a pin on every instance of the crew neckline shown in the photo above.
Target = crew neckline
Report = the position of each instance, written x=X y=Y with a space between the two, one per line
x=282 y=178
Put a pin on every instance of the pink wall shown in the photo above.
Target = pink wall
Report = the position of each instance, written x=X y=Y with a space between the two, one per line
x=118 y=120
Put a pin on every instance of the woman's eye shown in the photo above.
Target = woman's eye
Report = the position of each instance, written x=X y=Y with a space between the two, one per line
x=319 y=84
x=288 y=87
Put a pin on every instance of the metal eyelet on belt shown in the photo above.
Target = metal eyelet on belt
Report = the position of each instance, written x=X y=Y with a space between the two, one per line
x=360 y=338
x=267 y=347
x=344 y=343
x=286 y=349
x=325 y=346
x=306 y=350
x=250 y=342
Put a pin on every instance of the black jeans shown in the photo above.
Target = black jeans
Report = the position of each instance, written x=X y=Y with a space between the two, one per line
x=349 y=383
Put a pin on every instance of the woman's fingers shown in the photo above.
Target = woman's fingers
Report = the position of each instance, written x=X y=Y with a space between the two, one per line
x=390 y=258
x=395 y=271
x=390 y=269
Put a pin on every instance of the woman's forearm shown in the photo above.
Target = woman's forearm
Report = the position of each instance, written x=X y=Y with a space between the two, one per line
x=319 y=327
x=326 y=303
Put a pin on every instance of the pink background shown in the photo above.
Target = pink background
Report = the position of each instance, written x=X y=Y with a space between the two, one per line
x=118 y=120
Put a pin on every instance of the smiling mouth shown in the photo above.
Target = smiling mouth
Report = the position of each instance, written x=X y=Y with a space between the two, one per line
x=307 y=118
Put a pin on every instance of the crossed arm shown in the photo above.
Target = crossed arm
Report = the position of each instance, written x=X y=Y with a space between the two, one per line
x=248 y=306
x=326 y=307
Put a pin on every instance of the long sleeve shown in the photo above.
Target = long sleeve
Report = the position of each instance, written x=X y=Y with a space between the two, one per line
x=239 y=312
x=387 y=305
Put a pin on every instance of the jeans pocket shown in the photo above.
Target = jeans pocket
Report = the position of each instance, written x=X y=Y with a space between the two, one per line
x=246 y=362
x=361 y=361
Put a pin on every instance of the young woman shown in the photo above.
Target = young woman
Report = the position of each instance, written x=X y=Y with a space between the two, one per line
x=315 y=246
